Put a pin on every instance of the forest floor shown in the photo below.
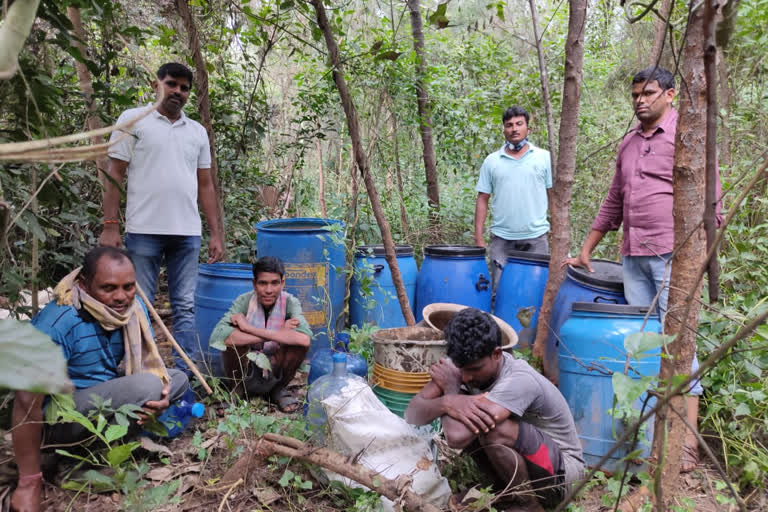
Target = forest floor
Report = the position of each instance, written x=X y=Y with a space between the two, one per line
x=198 y=462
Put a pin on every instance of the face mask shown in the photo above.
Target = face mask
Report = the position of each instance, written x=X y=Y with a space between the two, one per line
x=517 y=147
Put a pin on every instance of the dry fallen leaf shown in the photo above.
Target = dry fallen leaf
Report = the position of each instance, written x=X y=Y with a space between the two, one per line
x=424 y=464
x=161 y=474
x=152 y=446
x=267 y=495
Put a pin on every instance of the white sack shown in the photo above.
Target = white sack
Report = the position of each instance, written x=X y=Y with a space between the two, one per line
x=358 y=421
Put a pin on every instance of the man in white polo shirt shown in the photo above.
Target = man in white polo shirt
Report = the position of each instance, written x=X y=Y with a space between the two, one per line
x=167 y=159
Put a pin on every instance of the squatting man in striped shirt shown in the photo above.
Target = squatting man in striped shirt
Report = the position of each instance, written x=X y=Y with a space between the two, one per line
x=97 y=321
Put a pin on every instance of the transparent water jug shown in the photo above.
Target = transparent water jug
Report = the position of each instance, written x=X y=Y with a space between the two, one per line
x=322 y=388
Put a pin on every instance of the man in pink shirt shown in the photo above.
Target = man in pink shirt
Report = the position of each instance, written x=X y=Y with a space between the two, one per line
x=640 y=199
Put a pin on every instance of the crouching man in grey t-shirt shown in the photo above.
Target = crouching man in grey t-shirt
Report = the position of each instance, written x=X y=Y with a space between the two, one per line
x=517 y=416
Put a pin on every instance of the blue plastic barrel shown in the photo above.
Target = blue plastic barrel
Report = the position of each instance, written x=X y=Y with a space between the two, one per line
x=520 y=292
x=453 y=273
x=218 y=285
x=373 y=298
x=591 y=347
x=313 y=253
x=603 y=286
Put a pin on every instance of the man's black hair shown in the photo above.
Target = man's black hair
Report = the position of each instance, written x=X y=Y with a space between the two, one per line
x=175 y=70
x=471 y=335
x=665 y=79
x=94 y=256
x=515 y=112
x=268 y=264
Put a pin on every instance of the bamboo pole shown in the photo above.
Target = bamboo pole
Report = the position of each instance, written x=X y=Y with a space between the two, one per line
x=176 y=346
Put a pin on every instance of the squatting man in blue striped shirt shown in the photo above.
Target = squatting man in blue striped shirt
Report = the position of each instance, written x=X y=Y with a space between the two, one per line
x=97 y=321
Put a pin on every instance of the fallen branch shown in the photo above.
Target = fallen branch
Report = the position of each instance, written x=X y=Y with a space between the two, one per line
x=229 y=491
x=273 y=444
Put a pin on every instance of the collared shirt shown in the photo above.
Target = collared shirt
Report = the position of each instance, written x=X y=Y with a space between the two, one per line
x=93 y=354
x=162 y=172
x=518 y=187
x=640 y=196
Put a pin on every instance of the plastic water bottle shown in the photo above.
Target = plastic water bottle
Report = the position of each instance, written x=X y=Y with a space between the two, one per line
x=322 y=362
x=323 y=387
x=176 y=417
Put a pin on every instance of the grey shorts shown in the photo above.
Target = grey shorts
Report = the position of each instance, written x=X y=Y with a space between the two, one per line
x=499 y=251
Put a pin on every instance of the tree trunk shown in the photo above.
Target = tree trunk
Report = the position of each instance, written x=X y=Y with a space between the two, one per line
x=92 y=120
x=566 y=165
x=398 y=171
x=545 y=89
x=661 y=32
x=710 y=189
x=362 y=160
x=425 y=118
x=203 y=101
x=725 y=27
x=685 y=288
x=321 y=179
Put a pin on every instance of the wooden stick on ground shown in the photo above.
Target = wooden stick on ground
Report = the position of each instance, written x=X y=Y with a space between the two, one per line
x=176 y=346
x=395 y=490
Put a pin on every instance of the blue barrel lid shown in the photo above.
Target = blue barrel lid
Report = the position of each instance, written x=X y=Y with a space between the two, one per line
x=198 y=410
x=378 y=250
x=607 y=275
x=455 y=251
x=339 y=357
x=297 y=225
x=530 y=256
x=615 y=309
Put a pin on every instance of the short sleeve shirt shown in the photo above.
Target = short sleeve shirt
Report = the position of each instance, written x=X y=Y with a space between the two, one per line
x=518 y=189
x=163 y=159
x=240 y=306
x=532 y=398
x=92 y=353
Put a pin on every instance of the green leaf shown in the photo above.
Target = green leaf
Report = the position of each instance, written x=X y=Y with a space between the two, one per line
x=438 y=18
x=100 y=482
x=115 y=432
x=627 y=389
x=286 y=478
x=260 y=359
x=30 y=361
x=120 y=454
x=741 y=410
x=74 y=456
x=640 y=342
x=388 y=55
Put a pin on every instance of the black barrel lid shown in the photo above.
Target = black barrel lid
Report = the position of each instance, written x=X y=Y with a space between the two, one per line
x=378 y=250
x=616 y=309
x=530 y=256
x=607 y=275
x=456 y=251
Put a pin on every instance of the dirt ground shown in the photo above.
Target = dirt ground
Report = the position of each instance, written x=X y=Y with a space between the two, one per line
x=199 y=491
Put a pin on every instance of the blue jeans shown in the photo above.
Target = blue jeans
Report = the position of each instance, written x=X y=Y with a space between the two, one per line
x=644 y=276
x=181 y=254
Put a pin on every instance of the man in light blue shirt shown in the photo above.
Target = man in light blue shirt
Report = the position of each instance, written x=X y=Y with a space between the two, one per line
x=518 y=176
